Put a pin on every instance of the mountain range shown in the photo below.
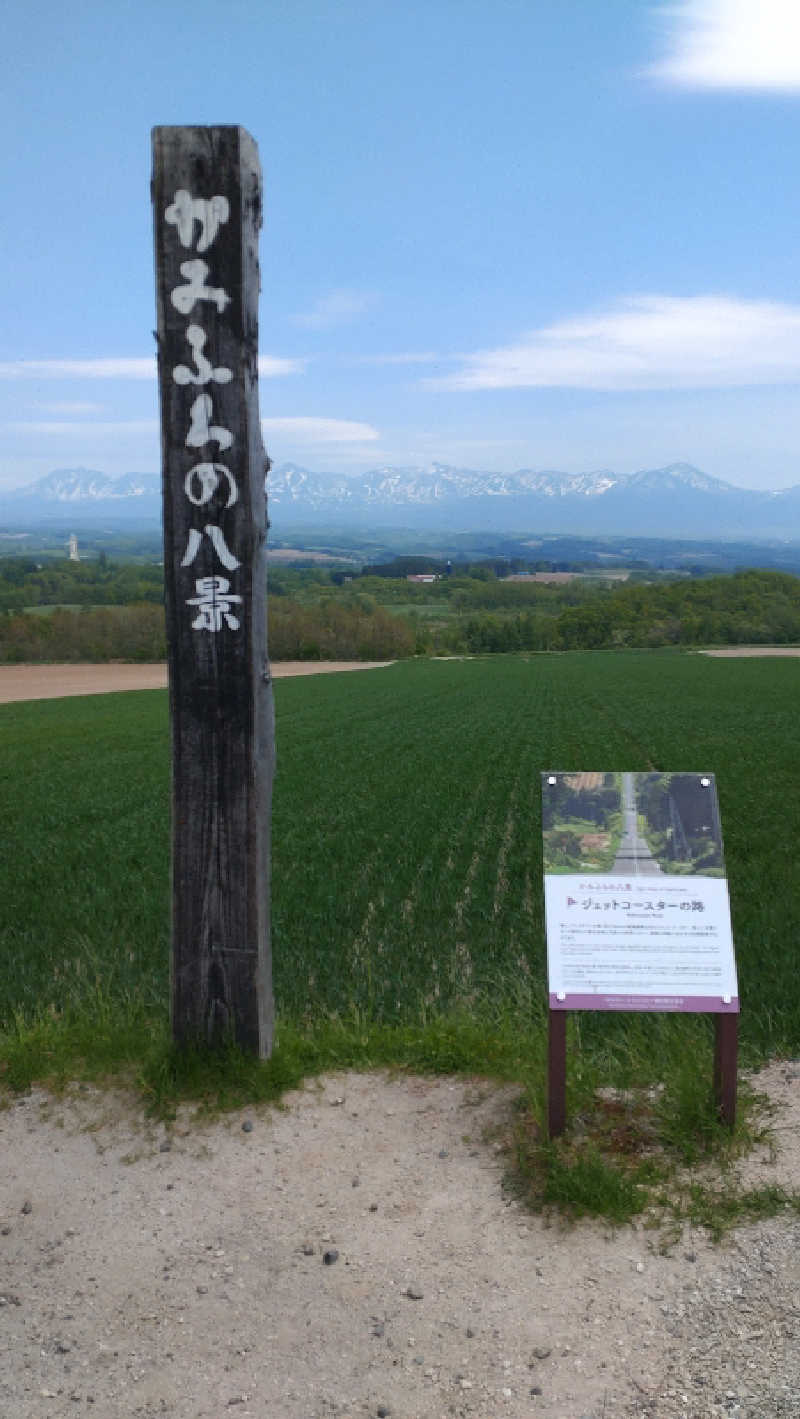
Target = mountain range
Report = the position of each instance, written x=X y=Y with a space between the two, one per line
x=675 y=501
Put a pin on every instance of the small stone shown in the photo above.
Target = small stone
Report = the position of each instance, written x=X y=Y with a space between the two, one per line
x=378 y=1329
x=383 y=1411
x=337 y=1101
x=507 y=1393
x=26 y=1208
x=470 y=1333
x=373 y=1207
x=640 y=1267
x=690 y=1256
x=541 y=1352
x=247 y=1126
x=331 y=1256
x=165 y=1146
x=443 y=1153
x=536 y=1389
x=5 y=1230
x=202 y=1290
x=308 y=1249
x=465 y=1384
x=414 y=1293
x=356 y=1182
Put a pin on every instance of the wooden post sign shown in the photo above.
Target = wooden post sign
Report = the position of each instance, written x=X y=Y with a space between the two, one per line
x=637 y=911
x=207 y=213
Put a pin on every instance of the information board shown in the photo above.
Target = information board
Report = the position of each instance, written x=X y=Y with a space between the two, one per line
x=636 y=898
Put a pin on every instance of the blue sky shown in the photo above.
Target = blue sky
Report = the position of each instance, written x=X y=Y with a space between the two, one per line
x=498 y=233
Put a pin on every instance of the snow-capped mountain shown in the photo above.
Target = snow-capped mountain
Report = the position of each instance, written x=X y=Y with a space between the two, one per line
x=435 y=484
x=675 y=501
x=79 y=487
x=678 y=500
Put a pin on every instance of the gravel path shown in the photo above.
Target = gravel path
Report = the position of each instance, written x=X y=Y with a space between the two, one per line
x=353 y=1255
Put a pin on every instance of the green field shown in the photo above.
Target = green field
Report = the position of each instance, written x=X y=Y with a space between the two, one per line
x=407 y=857
x=407 y=903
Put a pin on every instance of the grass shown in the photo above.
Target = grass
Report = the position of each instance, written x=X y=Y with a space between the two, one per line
x=655 y=1151
x=407 y=905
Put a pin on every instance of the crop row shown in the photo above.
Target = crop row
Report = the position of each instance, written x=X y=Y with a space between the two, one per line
x=406 y=830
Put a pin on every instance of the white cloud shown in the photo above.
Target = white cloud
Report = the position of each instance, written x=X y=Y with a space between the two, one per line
x=82 y=427
x=731 y=44
x=648 y=342
x=320 y=431
x=337 y=308
x=424 y=357
x=271 y=366
x=123 y=368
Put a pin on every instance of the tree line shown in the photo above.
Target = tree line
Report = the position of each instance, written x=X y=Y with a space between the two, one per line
x=747 y=608
x=136 y=633
x=59 y=582
x=311 y=618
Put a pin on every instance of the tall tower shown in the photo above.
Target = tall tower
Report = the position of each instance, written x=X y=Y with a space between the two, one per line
x=73 y=548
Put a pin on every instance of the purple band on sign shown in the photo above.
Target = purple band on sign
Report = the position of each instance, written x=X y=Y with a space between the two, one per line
x=687 y=1004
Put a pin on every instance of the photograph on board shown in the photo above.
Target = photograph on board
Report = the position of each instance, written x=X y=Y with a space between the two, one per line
x=631 y=824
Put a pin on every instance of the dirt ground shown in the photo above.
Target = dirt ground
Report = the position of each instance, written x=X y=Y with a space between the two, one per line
x=735 y=652
x=354 y=1254
x=53 y=682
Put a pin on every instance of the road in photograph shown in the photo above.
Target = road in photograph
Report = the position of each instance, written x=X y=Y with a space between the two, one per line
x=634 y=857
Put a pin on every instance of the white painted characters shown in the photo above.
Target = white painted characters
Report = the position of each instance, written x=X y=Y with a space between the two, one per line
x=184 y=298
x=210 y=212
x=205 y=372
x=218 y=542
x=201 y=431
x=213 y=601
x=202 y=481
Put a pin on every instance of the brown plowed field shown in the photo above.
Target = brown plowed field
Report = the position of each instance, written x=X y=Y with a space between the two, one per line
x=54 y=682
x=734 y=652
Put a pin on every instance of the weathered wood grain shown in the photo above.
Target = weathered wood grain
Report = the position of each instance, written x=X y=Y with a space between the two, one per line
x=215 y=577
